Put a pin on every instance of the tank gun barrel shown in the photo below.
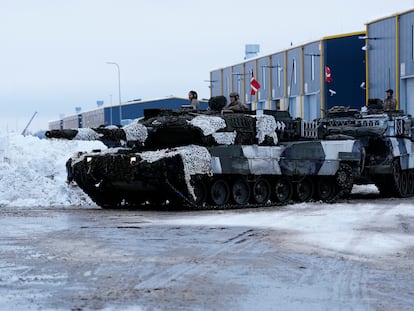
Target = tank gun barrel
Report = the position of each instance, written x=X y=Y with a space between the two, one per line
x=61 y=134
x=132 y=133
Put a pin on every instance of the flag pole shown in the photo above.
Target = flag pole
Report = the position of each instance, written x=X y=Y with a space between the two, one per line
x=251 y=95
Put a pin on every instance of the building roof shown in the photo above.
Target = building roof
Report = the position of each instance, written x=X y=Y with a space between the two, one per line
x=389 y=16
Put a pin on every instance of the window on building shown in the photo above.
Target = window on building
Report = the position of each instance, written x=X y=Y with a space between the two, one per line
x=279 y=75
x=313 y=67
x=228 y=83
x=294 y=71
x=412 y=42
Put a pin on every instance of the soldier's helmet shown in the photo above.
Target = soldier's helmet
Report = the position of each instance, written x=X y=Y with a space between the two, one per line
x=234 y=94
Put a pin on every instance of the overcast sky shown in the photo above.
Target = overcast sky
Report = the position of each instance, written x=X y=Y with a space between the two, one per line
x=54 y=52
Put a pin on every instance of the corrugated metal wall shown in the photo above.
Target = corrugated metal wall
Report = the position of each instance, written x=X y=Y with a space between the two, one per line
x=237 y=77
x=215 y=83
x=278 y=64
x=381 y=57
x=312 y=80
x=93 y=118
x=294 y=79
x=406 y=60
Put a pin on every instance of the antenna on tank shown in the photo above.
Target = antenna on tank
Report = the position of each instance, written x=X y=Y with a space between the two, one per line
x=28 y=123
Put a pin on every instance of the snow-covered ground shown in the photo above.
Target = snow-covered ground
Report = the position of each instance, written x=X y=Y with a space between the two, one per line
x=32 y=175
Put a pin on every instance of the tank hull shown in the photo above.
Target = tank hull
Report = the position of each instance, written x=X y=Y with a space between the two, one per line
x=247 y=175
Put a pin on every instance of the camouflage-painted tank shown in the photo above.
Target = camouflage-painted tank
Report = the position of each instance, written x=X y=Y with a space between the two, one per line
x=215 y=159
x=387 y=142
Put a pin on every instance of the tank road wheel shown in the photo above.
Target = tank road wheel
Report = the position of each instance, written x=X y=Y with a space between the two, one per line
x=395 y=178
x=399 y=179
x=200 y=192
x=241 y=191
x=305 y=189
x=261 y=191
x=104 y=195
x=283 y=190
x=344 y=179
x=108 y=199
x=404 y=183
x=410 y=182
x=325 y=188
x=220 y=192
x=156 y=201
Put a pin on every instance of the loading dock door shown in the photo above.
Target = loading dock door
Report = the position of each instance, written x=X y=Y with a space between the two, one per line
x=409 y=105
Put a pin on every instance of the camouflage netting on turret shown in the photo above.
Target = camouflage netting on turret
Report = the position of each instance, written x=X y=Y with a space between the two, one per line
x=196 y=160
x=135 y=132
x=266 y=128
x=86 y=134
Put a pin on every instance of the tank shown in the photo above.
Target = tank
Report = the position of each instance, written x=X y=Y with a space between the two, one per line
x=218 y=159
x=387 y=142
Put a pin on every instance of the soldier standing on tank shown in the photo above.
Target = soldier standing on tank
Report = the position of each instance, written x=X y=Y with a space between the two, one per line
x=390 y=103
x=235 y=103
x=193 y=98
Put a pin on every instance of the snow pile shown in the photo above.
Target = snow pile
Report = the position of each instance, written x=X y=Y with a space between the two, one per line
x=33 y=173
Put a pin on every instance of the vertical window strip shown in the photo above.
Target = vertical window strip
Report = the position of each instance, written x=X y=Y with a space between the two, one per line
x=294 y=71
x=412 y=42
x=313 y=67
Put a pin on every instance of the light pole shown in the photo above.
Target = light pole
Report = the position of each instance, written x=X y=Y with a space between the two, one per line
x=119 y=90
x=110 y=97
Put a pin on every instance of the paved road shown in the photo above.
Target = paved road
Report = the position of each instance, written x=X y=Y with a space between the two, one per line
x=92 y=259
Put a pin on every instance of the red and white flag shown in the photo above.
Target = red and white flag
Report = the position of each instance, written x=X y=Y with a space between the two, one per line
x=254 y=85
x=328 y=75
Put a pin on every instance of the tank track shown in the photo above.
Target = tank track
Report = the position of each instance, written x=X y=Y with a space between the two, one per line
x=343 y=192
x=108 y=198
x=400 y=183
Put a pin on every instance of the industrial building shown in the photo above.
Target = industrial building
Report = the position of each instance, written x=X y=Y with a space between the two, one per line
x=304 y=80
x=343 y=70
x=389 y=46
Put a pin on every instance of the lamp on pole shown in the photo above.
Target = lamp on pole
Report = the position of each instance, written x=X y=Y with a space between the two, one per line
x=119 y=90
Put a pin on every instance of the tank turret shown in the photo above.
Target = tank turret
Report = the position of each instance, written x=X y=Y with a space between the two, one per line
x=367 y=122
x=163 y=128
